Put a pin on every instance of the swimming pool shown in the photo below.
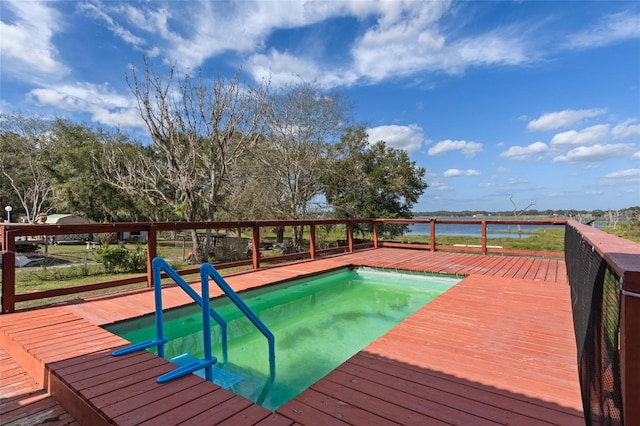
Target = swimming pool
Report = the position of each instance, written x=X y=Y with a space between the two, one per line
x=318 y=324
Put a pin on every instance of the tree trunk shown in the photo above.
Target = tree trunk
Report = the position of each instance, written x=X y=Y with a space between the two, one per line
x=280 y=234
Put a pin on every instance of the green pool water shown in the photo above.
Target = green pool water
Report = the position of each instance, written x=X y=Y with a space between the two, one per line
x=318 y=324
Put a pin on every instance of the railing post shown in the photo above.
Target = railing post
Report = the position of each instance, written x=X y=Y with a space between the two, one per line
x=152 y=252
x=256 y=246
x=432 y=228
x=375 y=234
x=8 y=272
x=312 y=240
x=484 y=237
x=630 y=345
x=350 y=236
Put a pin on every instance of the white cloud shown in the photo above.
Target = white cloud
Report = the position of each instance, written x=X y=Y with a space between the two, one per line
x=409 y=137
x=282 y=68
x=525 y=152
x=96 y=12
x=457 y=172
x=406 y=38
x=636 y=156
x=516 y=181
x=439 y=186
x=556 y=120
x=104 y=105
x=469 y=149
x=597 y=134
x=415 y=42
x=631 y=175
x=611 y=29
x=595 y=153
x=626 y=129
x=503 y=170
x=26 y=42
x=499 y=47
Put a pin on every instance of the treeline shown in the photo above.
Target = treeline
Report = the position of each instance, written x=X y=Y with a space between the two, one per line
x=628 y=212
x=218 y=150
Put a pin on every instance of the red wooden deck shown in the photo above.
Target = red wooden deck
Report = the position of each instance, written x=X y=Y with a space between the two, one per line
x=497 y=348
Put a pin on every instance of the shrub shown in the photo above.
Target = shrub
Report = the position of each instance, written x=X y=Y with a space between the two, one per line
x=138 y=258
x=113 y=257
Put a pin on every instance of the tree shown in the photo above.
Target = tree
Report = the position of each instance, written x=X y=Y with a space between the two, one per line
x=135 y=172
x=199 y=129
x=248 y=192
x=372 y=181
x=517 y=212
x=302 y=123
x=21 y=161
x=74 y=164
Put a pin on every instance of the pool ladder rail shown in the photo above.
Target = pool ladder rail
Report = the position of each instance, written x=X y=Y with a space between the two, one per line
x=194 y=364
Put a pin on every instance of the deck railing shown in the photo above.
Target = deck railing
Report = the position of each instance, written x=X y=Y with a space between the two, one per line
x=604 y=275
x=375 y=238
x=620 y=257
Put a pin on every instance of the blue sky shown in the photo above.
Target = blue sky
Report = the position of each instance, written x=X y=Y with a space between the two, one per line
x=535 y=101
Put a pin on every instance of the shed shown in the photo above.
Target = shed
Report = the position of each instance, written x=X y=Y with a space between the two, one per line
x=68 y=219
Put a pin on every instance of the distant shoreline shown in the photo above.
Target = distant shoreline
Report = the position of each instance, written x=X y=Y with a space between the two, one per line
x=529 y=214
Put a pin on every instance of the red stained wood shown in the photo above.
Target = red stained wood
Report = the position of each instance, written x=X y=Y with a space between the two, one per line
x=192 y=408
x=496 y=348
x=22 y=399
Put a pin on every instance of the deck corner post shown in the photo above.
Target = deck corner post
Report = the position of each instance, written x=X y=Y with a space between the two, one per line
x=484 y=237
x=8 y=271
x=375 y=233
x=350 y=236
x=312 y=240
x=432 y=232
x=152 y=252
x=256 y=245
x=630 y=347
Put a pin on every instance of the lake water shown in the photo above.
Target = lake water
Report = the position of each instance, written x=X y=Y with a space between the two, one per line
x=475 y=230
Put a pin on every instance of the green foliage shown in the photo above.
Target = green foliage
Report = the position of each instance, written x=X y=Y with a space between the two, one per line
x=629 y=230
x=539 y=240
x=34 y=279
x=22 y=164
x=114 y=257
x=138 y=258
x=372 y=181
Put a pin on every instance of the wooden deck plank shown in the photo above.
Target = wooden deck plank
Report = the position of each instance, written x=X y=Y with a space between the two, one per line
x=425 y=403
x=190 y=409
x=447 y=390
x=533 y=269
x=134 y=413
x=484 y=352
x=275 y=420
x=219 y=413
x=302 y=414
x=249 y=416
x=23 y=401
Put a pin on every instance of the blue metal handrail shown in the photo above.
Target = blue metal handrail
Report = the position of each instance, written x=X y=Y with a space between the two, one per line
x=160 y=265
x=208 y=271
